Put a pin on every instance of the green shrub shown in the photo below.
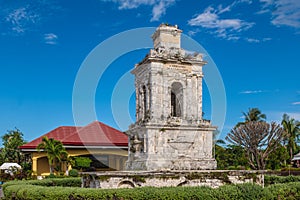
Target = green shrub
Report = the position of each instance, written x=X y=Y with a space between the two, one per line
x=39 y=192
x=82 y=162
x=24 y=190
x=290 y=169
x=62 y=182
x=282 y=191
x=73 y=172
x=51 y=176
x=227 y=192
x=269 y=180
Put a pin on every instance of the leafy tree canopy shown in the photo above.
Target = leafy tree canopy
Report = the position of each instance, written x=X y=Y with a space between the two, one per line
x=55 y=152
x=259 y=139
x=291 y=129
x=11 y=152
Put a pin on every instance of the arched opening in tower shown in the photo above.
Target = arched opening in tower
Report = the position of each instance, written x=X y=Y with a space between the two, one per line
x=176 y=99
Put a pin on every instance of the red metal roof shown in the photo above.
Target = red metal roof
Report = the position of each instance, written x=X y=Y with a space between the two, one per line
x=57 y=134
x=97 y=133
x=94 y=134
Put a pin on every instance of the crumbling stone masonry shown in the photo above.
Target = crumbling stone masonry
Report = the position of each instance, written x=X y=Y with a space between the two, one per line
x=210 y=178
x=169 y=132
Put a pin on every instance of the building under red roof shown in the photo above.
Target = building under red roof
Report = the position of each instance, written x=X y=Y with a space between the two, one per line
x=106 y=146
x=94 y=134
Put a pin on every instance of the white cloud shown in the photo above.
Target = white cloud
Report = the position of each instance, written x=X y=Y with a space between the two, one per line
x=287 y=13
x=231 y=37
x=19 y=19
x=251 y=92
x=130 y=4
x=266 y=39
x=257 y=40
x=252 y=40
x=296 y=103
x=158 y=11
x=267 y=2
x=192 y=33
x=295 y=116
x=231 y=6
x=26 y=16
x=206 y=19
x=50 y=38
x=225 y=28
x=159 y=6
x=276 y=116
x=284 y=12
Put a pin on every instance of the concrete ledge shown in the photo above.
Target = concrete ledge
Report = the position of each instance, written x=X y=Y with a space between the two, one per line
x=131 y=179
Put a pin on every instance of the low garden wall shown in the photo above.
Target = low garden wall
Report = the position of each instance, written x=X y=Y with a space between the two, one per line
x=131 y=179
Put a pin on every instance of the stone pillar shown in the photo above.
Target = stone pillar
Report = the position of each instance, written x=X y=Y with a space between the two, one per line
x=194 y=98
x=141 y=103
x=188 y=93
x=147 y=107
x=137 y=102
x=199 y=101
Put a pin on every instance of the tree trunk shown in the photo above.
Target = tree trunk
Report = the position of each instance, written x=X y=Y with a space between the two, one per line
x=291 y=154
x=251 y=160
x=51 y=169
x=51 y=165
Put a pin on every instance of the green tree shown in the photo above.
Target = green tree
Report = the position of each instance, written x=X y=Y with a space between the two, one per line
x=259 y=139
x=254 y=115
x=55 y=152
x=11 y=152
x=277 y=159
x=291 y=129
x=231 y=157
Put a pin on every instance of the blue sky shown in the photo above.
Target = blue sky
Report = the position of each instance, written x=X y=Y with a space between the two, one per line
x=254 y=43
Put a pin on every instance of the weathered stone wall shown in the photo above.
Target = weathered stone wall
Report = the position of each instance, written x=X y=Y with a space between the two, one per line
x=168 y=37
x=173 y=148
x=169 y=133
x=213 y=178
x=158 y=78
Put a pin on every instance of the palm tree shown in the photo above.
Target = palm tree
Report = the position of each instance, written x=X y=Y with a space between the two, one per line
x=254 y=115
x=54 y=149
x=292 y=132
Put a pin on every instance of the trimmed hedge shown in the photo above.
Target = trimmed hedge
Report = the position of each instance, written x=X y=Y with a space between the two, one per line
x=62 y=182
x=24 y=190
x=73 y=173
x=270 y=180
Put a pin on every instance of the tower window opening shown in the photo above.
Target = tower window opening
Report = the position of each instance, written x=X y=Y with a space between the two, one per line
x=145 y=101
x=173 y=104
x=176 y=100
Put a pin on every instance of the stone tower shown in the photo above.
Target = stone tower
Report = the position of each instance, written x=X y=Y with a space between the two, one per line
x=169 y=132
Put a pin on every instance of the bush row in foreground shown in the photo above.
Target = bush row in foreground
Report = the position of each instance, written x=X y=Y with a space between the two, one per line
x=63 y=182
x=270 y=180
x=227 y=192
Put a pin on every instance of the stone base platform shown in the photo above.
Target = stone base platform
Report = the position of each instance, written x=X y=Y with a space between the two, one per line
x=179 y=164
x=131 y=179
